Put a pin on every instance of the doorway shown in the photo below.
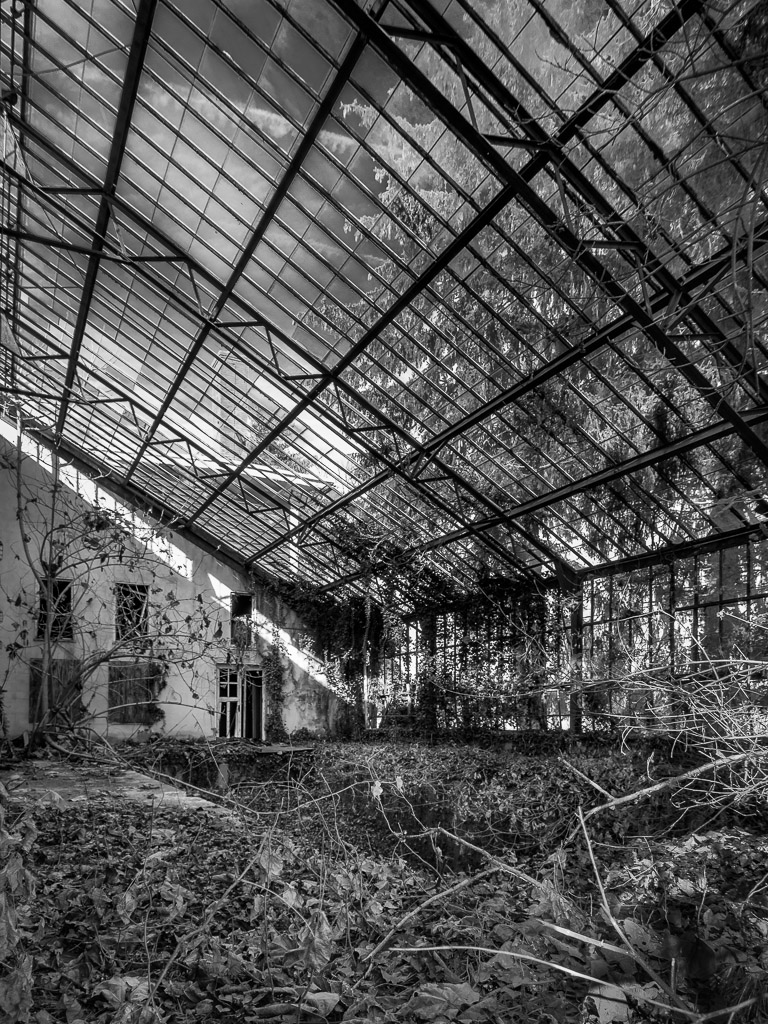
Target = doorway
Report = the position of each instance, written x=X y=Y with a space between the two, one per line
x=241 y=702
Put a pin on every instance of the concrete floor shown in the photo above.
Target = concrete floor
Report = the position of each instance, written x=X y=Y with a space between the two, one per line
x=50 y=781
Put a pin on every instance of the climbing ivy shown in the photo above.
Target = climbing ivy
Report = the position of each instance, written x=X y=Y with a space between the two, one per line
x=274 y=687
x=348 y=637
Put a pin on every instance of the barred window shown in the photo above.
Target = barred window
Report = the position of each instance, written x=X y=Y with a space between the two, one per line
x=131 y=611
x=59 y=592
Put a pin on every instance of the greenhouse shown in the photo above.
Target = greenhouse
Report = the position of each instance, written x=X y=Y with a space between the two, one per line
x=394 y=372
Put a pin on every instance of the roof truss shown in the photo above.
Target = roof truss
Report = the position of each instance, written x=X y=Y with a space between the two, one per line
x=299 y=325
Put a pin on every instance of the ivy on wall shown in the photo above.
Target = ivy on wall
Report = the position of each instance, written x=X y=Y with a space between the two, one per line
x=273 y=678
x=349 y=638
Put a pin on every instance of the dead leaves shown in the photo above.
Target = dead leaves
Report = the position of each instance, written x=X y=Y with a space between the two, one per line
x=17 y=891
x=441 y=1002
x=168 y=897
x=177 y=916
x=16 y=991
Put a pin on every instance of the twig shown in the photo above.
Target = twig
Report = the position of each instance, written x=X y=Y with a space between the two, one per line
x=587 y=939
x=499 y=864
x=731 y=1010
x=530 y=957
x=684 y=1011
x=586 y=778
x=386 y=941
x=79 y=753
x=641 y=794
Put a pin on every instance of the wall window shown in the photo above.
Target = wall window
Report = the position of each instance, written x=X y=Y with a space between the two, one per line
x=63 y=689
x=241 y=698
x=133 y=687
x=240 y=611
x=60 y=593
x=131 y=611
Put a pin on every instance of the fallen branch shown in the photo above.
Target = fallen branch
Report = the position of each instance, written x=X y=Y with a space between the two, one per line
x=694 y=773
x=692 y=1015
x=219 y=798
x=589 y=940
x=208 y=794
x=436 y=897
x=586 y=778
x=500 y=865
x=276 y=1010
x=82 y=754
x=629 y=948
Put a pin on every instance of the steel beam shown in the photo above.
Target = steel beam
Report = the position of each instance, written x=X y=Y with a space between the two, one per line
x=316 y=126
x=684 y=549
x=652 y=266
x=419 y=454
x=393 y=55
x=402 y=303
x=498 y=549
x=753 y=247
x=143 y=502
x=518 y=186
x=703 y=275
x=602 y=478
x=605 y=477
x=146 y=503
x=263 y=494
x=141 y=33
x=29 y=22
x=318 y=122
x=51 y=242
x=383 y=421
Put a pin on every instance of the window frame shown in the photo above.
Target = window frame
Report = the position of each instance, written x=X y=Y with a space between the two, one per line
x=146 y=674
x=63 y=685
x=63 y=618
x=240 y=617
x=138 y=629
x=240 y=706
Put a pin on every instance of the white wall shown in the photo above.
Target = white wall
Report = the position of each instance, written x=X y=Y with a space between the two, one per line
x=189 y=622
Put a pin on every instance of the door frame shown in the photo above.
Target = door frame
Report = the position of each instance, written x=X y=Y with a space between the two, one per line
x=238 y=715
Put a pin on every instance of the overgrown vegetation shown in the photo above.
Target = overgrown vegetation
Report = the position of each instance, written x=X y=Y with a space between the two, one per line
x=393 y=882
x=498 y=423
x=274 y=686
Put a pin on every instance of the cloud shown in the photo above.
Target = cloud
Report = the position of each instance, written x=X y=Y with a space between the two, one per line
x=337 y=142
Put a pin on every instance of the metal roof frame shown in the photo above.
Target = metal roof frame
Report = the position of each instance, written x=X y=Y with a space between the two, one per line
x=294 y=412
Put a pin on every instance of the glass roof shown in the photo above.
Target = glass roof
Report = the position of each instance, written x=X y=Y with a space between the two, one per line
x=469 y=288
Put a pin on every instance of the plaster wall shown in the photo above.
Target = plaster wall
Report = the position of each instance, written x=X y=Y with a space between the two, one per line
x=190 y=597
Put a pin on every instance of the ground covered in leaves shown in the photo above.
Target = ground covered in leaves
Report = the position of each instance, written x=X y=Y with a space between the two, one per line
x=388 y=883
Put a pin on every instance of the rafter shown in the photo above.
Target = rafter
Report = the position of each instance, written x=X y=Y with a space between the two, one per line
x=670 y=553
x=517 y=187
x=653 y=270
x=588 y=484
x=141 y=33
x=338 y=422
x=369 y=26
x=123 y=300
x=752 y=247
x=315 y=127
